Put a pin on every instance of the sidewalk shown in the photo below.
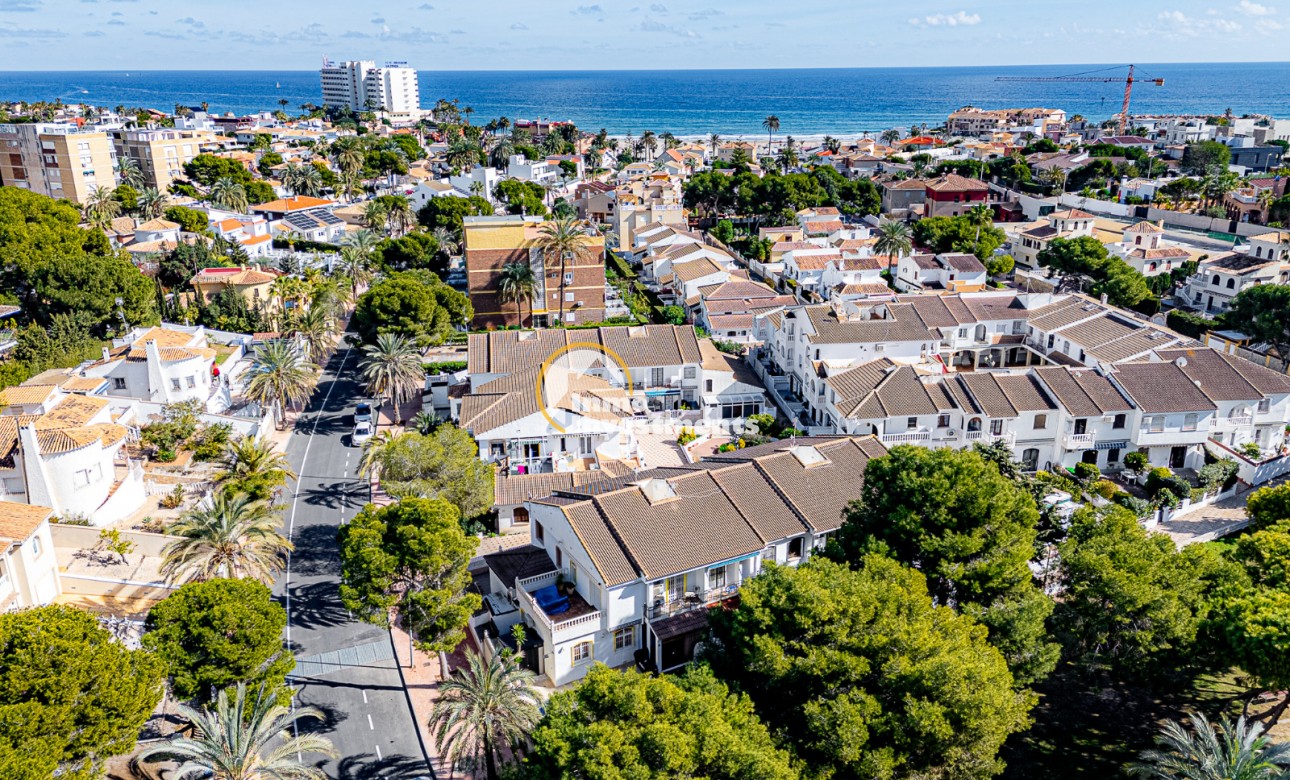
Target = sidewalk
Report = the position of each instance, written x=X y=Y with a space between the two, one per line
x=422 y=683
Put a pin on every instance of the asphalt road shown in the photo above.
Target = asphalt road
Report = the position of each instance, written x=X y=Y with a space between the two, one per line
x=344 y=667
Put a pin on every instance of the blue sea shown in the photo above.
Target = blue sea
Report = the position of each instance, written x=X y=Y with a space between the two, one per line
x=698 y=102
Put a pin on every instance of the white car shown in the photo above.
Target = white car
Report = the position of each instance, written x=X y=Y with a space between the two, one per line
x=362 y=432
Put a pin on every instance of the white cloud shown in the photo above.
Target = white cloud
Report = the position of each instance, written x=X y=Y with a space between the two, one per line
x=650 y=25
x=1255 y=9
x=588 y=10
x=519 y=26
x=960 y=19
x=1227 y=26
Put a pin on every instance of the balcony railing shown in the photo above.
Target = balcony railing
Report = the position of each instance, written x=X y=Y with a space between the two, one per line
x=555 y=627
x=906 y=438
x=692 y=601
x=1079 y=441
x=1236 y=421
x=987 y=436
x=1172 y=436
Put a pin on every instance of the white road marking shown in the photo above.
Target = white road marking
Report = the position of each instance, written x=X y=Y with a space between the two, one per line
x=304 y=460
x=365 y=699
x=369 y=717
x=378 y=752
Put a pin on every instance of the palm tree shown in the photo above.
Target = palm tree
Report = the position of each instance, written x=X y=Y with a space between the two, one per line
x=1239 y=751
x=226 y=193
x=308 y=181
x=151 y=203
x=355 y=266
x=483 y=707
x=647 y=144
x=102 y=207
x=563 y=238
x=233 y=537
x=714 y=141
x=400 y=213
x=424 y=422
x=890 y=136
x=279 y=376
x=349 y=155
x=462 y=155
x=894 y=239
x=392 y=369
x=376 y=215
x=364 y=241
x=832 y=144
x=771 y=124
x=314 y=328
x=250 y=460
x=515 y=285
x=787 y=158
x=374 y=450
x=449 y=243
x=232 y=741
x=127 y=172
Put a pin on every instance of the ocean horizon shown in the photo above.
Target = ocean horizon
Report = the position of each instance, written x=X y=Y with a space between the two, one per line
x=809 y=102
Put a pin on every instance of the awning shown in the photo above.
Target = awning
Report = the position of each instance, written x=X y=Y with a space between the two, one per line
x=1112 y=445
x=679 y=625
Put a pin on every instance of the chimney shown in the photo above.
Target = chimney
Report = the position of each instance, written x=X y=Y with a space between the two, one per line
x=107 y=354
x=1103 y=299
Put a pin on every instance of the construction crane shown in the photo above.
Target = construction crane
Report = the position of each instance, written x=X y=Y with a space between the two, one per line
x=1090 y=79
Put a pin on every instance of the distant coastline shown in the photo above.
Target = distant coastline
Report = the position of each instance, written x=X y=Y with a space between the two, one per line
x=732 y=103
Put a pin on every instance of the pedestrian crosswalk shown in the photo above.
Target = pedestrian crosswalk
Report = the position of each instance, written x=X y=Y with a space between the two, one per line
x=370 y=654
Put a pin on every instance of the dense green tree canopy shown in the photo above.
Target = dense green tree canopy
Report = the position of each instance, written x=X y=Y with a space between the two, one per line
x=863 y=676
x=1132 y=603
x=70 y=696
x=1202 y=157
x=443 y=464
x=522 y=197
x=1086 y=256
x=414 y=304
x=958 y=234
x=206 y=169
x=775 y=197
x=189 y=220
x=970 y=531
x=415 y=250
x=1260 y=313
x=218 y=633
x=447 y=212
x=626 y=724
x=410 y=559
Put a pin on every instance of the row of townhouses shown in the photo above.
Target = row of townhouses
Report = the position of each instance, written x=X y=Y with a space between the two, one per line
x=623 y=570
x=1060 y=379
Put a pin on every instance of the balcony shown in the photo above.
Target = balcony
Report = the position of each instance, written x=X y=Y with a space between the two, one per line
x=908 y=437
x=987 y=437
x=1228 y=423
x=579 y=619
x=1078 y=441
x=691 y=602
x=1171 y=436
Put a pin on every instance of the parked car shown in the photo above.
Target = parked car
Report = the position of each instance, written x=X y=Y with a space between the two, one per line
x=362 y=432
x=363 y=413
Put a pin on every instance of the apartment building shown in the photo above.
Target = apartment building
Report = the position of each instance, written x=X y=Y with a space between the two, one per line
x=1030 y=240
x=570 y=290
x=640 y=559
x=161 y=152
x=56 y=160
x=360 y=85
x=952 y=195
x=1144 y=248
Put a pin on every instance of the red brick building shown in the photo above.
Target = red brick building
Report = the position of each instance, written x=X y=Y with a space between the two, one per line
x=952 y=195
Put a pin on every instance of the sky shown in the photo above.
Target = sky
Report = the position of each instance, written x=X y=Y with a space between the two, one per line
x=631 y=34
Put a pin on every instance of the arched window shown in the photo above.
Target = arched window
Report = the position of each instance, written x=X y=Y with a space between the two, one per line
x=974 y=424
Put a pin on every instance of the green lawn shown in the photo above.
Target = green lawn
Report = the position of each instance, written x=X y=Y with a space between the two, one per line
x=1086 y=734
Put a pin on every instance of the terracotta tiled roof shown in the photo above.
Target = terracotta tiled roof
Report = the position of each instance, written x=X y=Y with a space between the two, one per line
x=20 y=521
x=157 y=226
x=1083 y=393
x=235 y=276
x=24 y=395
x=294 y=203
x=952 y=182
x=1161 y=388
x=1145 y=228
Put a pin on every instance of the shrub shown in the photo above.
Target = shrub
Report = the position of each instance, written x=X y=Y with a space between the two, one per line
x=686 y=436
x=174 y=498
x=1136 y=505
x=1135 y=461
x=444 y=367
x=1219 y=474
x=210 y=443
x=1162 y=480
x=1251 y=450
x=1104 y=488
x=1085 y=472
x=165 y=456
